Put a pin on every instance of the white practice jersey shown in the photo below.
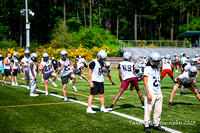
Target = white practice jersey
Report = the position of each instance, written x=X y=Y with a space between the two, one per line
x=26 y=61
x=47 y=66
x=183 y=60
x=34 y=69
x=1 y=63
x=97 y=73
x=127 y=69
x=187 y=67
x=7 y=66
x=166 y=64
x=15 y=63
x=153 y=80
x=105 y=73
x=185 y=79
x=176 y=59
x=66 y=69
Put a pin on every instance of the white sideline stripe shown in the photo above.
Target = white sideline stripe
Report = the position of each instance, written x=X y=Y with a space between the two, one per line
x=112 y=112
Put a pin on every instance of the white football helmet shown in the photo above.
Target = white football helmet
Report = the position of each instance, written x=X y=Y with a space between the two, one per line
x=167 y=56
x=80 y=57
x=15 y=54
x=62 y=53
x=153 y=57
x=34 y=56
x=27 y=53
x=107 y=65
x=53 y=58
x=45 y=57
x=145 y=57
x=188 y=57
x=193 y=71
x=193 y=61
x=1 y=56
x=127 y=56
x=102 y=55
x=175 y=55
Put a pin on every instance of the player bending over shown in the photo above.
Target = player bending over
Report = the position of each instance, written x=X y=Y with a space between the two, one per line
x=127 y=76
x=187 y=80
x=106 y=73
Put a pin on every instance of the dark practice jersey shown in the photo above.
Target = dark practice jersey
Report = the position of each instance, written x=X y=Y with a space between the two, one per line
x=54 y=62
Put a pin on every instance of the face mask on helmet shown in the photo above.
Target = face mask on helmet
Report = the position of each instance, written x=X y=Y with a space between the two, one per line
x=102 y=56
x=45 y=59
x=192 y=74
x=154 y=59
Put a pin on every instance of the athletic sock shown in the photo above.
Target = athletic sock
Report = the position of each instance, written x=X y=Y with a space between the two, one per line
x=142 y=103
x=170 y=103
x=111 y=105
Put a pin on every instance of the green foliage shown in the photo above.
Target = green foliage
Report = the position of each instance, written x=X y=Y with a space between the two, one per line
x=193 y=25
x=7 y=44
x=93 y=37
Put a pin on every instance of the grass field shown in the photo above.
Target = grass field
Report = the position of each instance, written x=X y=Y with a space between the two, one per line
x=21 y=113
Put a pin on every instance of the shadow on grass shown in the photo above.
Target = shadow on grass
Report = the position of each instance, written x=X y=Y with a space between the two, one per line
x=71 y=98
x=181 y=103
x=127 y=106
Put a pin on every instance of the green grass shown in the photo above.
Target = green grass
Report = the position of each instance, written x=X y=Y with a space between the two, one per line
x=38 y=115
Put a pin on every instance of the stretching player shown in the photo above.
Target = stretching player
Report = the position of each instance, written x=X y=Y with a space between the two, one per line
x=14 y=68
x=153 y=96
x=76 y=69
x=47 y=67
x=187 y=80
x=166 y=66
x=127 y=76
x=106 y=73
x=66 y=72
x=33 y=70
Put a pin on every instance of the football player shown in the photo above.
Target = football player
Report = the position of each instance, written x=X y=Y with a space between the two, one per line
x=15 y=67
x=153 y=97
x=66 y=72
x=7 y=68
x=106 y=73
x=96 y=68
x=33 y=70
x=1 y=65
x=166 y=66
x=187 y=79
x=127 y=77
x=25 y=63
x=47 y=68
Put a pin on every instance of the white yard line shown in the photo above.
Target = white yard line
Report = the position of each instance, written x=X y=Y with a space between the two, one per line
x=112 y=112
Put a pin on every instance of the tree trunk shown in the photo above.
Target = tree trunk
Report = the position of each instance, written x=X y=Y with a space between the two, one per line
x=83 y=2
x=197 y=8
x=172 y=27
x=188 y=17
x=77 y=13
x=20 y=37
x=155 y=30
x=135 y=25
x=100 y=12
x=117 y=27
x=145 y=32
x=64 y=12
x=90 y=13
x=159 y=28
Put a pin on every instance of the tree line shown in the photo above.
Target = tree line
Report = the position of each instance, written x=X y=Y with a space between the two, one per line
x=125 y=19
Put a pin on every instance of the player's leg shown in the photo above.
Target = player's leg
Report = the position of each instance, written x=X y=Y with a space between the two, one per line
x=195 y=86
x=27 y=78
x=64 y=92
x=84 y=77
x=73 y=78
x=172 y=95
x=157 y=112
x=54 y=75
x=116 y=98
x=162 y=75
x=171 y=75
x=33 y=87
x=109 y=76
x=46 y=86
x=193 y=89
x=23 y=74
x=140 y=95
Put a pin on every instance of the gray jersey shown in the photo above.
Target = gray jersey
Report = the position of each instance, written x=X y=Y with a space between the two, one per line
x=66 y=69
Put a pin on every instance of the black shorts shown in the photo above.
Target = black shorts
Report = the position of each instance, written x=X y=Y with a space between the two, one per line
x=65 y=78
x=15 y=72
x=98 y=88
x=47 y=75
x=7 y=72
x=187 y=85
x=183 y=65
x=77 y=73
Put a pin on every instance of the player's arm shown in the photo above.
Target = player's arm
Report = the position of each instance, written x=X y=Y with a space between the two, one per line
x=178 y=81
x=59 y=66
x=37 y=66
x=133 y=69
x=172 y=66
x=41 y=67
x=120 y=75
x=31 y=66
x=149 y=97
x=161 y=67
x=52 y=66
x=12 y=61
x=6 y=61
x=91 y=68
